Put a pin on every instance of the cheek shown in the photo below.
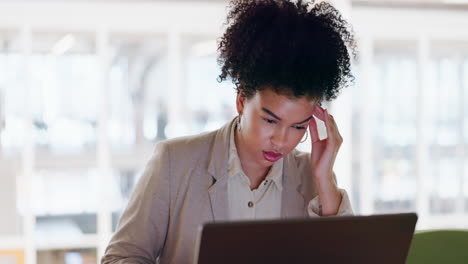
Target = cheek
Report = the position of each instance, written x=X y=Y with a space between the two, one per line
x=302 y=134
x=295 y=138
x=261 y=131
x=259 y=136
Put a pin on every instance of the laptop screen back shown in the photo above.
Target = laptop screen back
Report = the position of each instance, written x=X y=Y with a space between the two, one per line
x=346 y=239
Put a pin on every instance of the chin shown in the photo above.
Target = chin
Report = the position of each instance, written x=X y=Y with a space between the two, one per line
x=266 y=163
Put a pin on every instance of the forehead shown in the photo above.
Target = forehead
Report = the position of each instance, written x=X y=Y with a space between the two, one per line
x=283 y=105
x=271 y=97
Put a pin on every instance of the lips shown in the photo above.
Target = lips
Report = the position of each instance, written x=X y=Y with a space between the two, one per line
x=272 y=156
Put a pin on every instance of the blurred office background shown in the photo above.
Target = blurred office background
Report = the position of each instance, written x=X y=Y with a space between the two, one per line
x=88 y=87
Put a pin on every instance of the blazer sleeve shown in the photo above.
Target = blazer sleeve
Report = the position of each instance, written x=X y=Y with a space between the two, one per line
x=142 y=229
x=344 y=209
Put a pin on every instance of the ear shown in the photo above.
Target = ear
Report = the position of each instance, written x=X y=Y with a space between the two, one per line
x=240 y=102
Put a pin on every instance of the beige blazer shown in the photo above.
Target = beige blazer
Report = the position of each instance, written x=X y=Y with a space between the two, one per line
x=185 y=185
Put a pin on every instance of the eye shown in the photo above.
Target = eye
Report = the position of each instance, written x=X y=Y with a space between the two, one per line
x=299 y=127
x=269 y=121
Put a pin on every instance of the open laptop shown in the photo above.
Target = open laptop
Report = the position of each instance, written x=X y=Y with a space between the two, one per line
x=338 y=239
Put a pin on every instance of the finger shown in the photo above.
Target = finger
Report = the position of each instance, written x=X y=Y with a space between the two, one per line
x=319 y=112
x=335 y=126
x=333 y=132
x=329 y=124
x=313 y=130
x=332 y=144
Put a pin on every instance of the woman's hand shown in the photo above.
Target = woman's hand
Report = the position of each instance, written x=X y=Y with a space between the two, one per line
x=323 y=157
x=324 y=151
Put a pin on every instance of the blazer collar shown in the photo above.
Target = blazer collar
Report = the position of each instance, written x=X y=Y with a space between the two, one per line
x=219 y=155
x=218 y=170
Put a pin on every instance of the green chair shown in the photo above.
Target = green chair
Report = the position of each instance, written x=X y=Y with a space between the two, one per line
x=439 y=246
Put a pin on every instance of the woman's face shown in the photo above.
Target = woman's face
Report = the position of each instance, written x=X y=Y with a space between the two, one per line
x=271 y=126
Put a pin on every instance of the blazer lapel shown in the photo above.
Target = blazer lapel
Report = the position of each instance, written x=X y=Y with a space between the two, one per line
x=217 y=169
x=219 y=199
x=293 y=203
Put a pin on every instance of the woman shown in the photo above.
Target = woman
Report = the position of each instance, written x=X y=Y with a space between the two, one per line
x=284 y=59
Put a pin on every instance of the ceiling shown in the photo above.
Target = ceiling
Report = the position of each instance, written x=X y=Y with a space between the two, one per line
x=354 y=2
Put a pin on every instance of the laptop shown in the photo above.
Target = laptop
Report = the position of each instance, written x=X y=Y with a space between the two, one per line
x=337 y=239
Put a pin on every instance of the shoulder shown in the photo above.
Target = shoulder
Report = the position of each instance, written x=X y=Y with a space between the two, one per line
x=186 y=148
x=189 y=143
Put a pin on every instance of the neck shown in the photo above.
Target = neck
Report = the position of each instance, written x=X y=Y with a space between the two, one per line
x=255 y=172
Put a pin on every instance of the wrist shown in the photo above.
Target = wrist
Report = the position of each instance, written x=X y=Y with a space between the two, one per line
x=324 y=176
x=326 y=182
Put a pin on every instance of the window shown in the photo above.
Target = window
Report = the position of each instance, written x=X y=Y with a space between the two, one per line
x=64 y=85
x=211 y=104
x=138 y=90
x=390 y=122
x=13 y=92
x=446 y=97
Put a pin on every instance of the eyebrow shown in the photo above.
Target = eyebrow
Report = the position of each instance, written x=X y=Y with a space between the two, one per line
x=277 y=117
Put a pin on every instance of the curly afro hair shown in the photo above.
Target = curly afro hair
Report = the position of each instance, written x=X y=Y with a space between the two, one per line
x=296 y=48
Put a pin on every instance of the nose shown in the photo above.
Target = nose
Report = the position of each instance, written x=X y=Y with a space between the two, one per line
x=278 y=138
